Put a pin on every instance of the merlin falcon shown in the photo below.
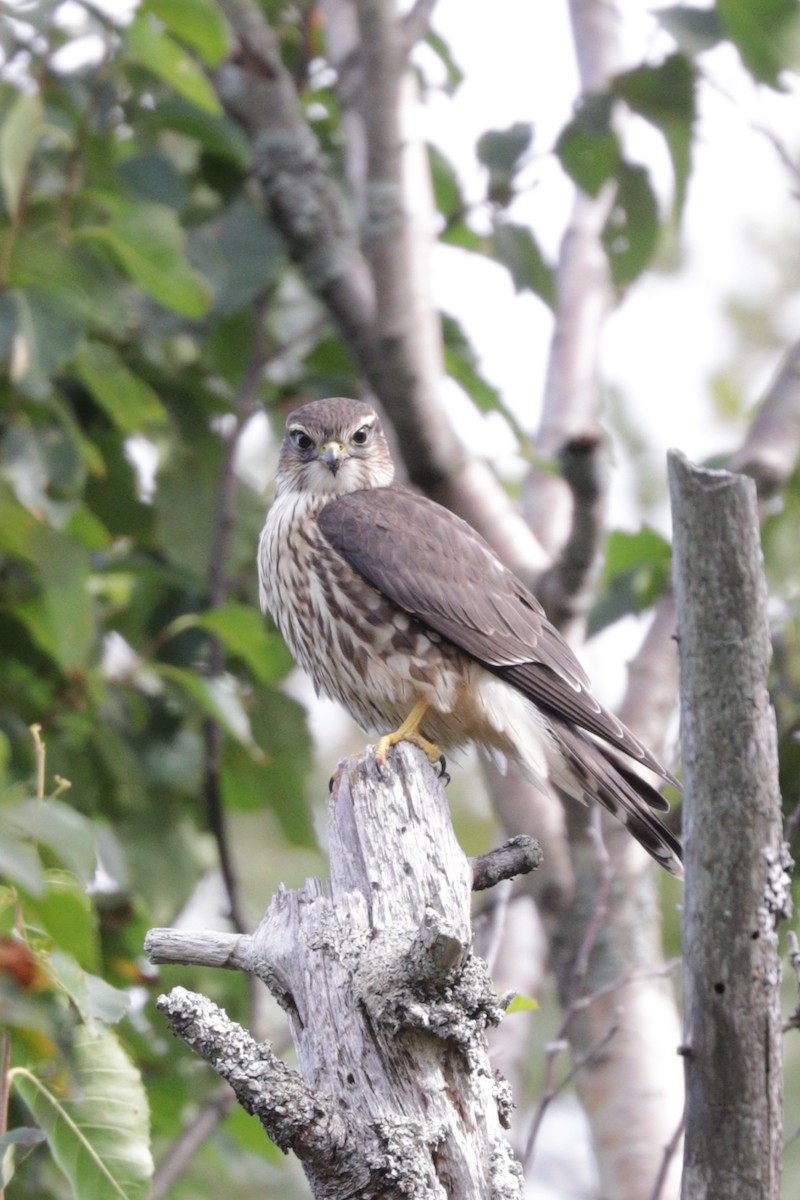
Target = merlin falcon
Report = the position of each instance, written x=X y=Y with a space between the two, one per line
x=400 y=611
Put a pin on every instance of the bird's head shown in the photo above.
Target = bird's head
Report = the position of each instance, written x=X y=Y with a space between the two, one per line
x=333 y=447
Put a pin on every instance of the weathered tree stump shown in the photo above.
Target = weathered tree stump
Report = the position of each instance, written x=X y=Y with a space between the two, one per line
x=737 y=869
x=387 y=1005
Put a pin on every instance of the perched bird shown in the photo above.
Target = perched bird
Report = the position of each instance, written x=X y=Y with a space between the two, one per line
x=400 y=611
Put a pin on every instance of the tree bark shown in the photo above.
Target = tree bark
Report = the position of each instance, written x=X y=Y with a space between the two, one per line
x=737 y=885
x=387 y=1005
x=309 y=209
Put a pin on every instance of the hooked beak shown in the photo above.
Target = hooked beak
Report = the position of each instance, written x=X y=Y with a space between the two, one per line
x=332 y=454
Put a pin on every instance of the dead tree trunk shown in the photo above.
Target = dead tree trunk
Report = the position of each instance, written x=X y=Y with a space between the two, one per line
x=386 y=1002
x=737 y=884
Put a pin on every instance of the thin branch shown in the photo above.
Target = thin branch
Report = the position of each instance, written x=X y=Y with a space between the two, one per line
x=770 y=450
x=181 y=1154
x=581 y=964
x=567 y=588
x=496 y=915
x=552 y=1090
x=217 y=590
x=670 y=1150
x=617 y=985
x=518 y=856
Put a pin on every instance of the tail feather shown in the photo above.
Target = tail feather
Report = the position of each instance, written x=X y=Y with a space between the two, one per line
x=601 y=777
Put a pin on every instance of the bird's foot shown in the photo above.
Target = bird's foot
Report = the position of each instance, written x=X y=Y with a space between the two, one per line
x=409 y=732
x=415 y=737
x=444 y=774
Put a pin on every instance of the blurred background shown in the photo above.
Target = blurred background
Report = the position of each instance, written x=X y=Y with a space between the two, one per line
x=549 y=241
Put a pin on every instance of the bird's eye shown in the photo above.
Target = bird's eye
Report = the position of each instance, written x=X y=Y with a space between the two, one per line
x=301 y=439
x=361 y=436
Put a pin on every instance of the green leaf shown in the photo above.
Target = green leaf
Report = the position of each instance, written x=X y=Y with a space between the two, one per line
x=42 y=461
x=522 y=1004
x=67 y=833
x=216 y=134
x=694 y=29
x=131 y=403
x=631 y=231
x=446 y=188
x=218 y=697
x=147 y=242
x=665 y=95
x=14 y=1146
x=66 y=914
x=75 y=281
x=158 y=52
x=244 y=633
x=17 y=524
x=186 y=503
x=93 y=998
x=240 y=255
x=21 y=129
x=442 y=51
x=765 y=34
x=152 y=176
x=19 y=861
x=199 y=23
x=60 y=617
x=279 y=726
x=636 y=570
x=98 y=1132
x=462 y=366
x=47 y=332
x=588 y=148
x=516 y=248
x=503 y=151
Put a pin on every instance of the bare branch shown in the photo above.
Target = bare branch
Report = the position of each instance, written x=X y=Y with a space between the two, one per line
x=567 y=588
x=518 y=856
x=387 y=322
x=564 y=512
x=670 y=1150
x=417 y=22
x=181 y=1153
x=295 y=1116
x=770 y=451
x=552 y=1089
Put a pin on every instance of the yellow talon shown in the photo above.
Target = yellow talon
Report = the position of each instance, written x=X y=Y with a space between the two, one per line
x=409 y=732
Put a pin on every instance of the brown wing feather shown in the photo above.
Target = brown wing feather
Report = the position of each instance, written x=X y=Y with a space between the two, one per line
x=440 y=571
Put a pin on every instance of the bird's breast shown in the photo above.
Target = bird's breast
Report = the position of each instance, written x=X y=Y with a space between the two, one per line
x=357 y=645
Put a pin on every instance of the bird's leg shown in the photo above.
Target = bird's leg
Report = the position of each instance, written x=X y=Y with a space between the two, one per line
x=409 y=732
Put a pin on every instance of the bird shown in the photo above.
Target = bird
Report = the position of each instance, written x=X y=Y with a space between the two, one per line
x=401 y=612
